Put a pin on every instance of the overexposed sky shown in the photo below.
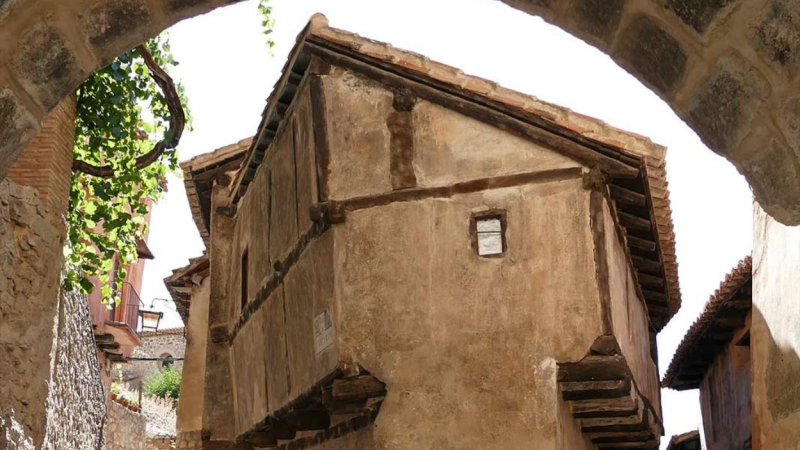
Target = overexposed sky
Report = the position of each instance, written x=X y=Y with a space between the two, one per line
x=228 y=74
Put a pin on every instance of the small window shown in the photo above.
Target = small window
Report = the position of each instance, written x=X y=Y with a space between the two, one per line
x=489 y=234
x=167 y=362
x=244 y=270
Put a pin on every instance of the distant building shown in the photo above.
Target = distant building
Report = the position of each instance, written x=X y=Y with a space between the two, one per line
x=159 y=349
x=408 y=257
x=714 y=357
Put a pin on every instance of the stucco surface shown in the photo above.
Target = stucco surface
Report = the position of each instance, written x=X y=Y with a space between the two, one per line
x=451 y=147
x=629 y=318
x=775 y=340
x=190 y=408
x=469 y=343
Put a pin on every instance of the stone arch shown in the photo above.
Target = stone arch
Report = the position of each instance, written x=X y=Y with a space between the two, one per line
x=727 y=67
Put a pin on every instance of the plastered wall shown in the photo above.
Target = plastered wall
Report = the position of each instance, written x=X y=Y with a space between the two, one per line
x=775 y=335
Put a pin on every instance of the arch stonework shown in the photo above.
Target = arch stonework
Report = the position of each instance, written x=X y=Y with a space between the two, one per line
x=729 y=68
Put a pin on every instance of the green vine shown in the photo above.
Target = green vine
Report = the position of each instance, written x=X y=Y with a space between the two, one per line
x=121 y=114
x=267 y=22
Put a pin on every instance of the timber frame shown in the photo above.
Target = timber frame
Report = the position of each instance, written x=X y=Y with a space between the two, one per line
x=631 y=166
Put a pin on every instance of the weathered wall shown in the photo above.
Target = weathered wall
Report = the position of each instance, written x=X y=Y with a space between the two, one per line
x=28 y=307
x=125 y=429
x=725 y=399
x=629 y=318
x=469 y=343
x=190 y=408
x=775 y=335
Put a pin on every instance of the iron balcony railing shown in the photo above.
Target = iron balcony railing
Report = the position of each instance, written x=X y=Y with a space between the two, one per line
x=128 y=309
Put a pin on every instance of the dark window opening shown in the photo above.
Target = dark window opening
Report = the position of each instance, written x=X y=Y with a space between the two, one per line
x=244 y=279
x=167 y=362
x=489 y=233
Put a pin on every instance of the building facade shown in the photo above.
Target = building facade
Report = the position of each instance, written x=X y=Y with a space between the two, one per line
x=400 y=241
x=715 y=358
x=159 y=349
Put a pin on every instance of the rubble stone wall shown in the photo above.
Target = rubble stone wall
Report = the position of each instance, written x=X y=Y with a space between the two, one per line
x=155 y=345
x=126 y=430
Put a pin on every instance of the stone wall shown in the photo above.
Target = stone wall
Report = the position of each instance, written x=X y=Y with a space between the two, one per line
x=155 y=345
x=125 y=429
x=76 y=406
x=29 y=243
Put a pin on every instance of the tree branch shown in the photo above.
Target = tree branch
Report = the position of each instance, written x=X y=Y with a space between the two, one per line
x=177 y=121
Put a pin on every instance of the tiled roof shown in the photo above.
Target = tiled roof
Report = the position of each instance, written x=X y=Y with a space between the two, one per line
x=180 y=283
x=732 y=298
x=162 y=332
x=198 y=177
x=635 y=153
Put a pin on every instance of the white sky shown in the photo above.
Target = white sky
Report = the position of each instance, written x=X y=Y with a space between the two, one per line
x=228 y=75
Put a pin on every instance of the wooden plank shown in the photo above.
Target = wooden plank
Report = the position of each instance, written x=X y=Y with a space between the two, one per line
x=262 y=439
x=626 y=196
x=355 y=388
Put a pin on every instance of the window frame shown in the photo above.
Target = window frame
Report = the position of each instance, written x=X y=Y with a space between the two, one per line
x=489 y=214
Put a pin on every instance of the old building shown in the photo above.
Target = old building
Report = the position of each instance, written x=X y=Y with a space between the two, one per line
x=714 y=357
x=159 y=349
x=401 y=241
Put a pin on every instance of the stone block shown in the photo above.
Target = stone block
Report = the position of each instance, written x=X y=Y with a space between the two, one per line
x=46 y=65
x=777 y=33
x=598 y=18
x=789 y=121
x=698 y=14
x=723 y=106
x=774 y=175
x=17 y=125
x=652 y=54
x=108 y=24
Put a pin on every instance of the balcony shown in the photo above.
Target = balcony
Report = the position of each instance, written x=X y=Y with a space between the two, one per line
x=123 y=319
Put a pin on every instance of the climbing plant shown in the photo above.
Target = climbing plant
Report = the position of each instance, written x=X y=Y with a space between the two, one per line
x=130 y=117
x=267 y=22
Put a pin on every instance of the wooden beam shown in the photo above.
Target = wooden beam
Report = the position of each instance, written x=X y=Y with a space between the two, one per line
x=604 y=407
x=626 y=196
x=310 y=420
x=650 y=280
x=632 y=221
x=641 y=244
x=655 y=297
x=646 y=264
x=593 y=368
x=585 y=390
x=103 y=339
x=262 y=439
x=356 y=388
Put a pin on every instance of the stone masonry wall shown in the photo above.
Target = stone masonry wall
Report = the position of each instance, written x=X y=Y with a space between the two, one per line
x=125 y=429
x=155 y=345
x=76 y=406
x=29 y=243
